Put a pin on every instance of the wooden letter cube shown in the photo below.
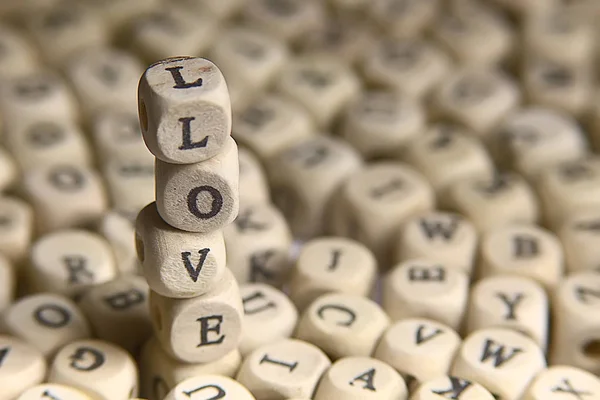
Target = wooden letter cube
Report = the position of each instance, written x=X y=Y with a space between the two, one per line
x=575 y=323
x=474 y=35
x=502 y=360
x=203 y=328
x=513 y=302
x=18 y=55
x=22 y=366
x=579 y=238
x=424 y=289
x=361 y=378
x=382 y=123
x=305 y=177
x=253 y=186
x=53 y=390
x=331 y=264
x=105 y=78
x=533 y=139
x=201 y=197
x=69 y=262
x=258 y=244
x=269 y=315
x=525 y=250
x=101 y=369
x=39 y=96
x=121 y=303
x=560 y=381
x=411 y=66
x=320 y=84
x=184 y=110
x=569 y=188
x=159 y=372
x=49 y=189
x=170 y=31
x=219 y=387
x=283 y=369
x=343 y=325
x=451 y=387
x=48 y=143
x=47 y=321
x=411 y=346
x=379 y=199
x=478 y=98
x=16 y=228
x=438 y=236
x=446 y=154
x=494 y=202
x=271 y=124
x=176 y=263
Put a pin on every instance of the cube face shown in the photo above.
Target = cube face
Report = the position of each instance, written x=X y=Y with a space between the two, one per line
x=170 y=31
x=365 y=378
x=382 y=123
x=452 y=386
x=209 y=384
x=184 y=109
x=253 y=186
x=422 y=288
x=491 y=203
x=411 y=66
x=446 y=154
x=536 y=138
x=575 y=325
x=19 y=56
x=201 y=197
x=269 y=315
x=569 y=188
x=105 y=79
x=22 y=366
x=379 y=199
x=325 y=163
x=477 y=97
x=578 y=236
x=41 y=95
x=475 y=35
x=16 y=228
x=258 y=245
x=439 y=236
x=54 y=389
x=96 y=367
x=558 y=85
x=159 y=372
x=68 y=262
x=178 y=264
x=523 y=250
x=502 y=360
x=122 y=302
x=405 y=18
x=50 y=188
x=407 y=344
x=321 y=84
x=271 y=124
x=47 y=143
x=560 y=37
x=199 y=329
x=513 y=302
x=557 y=381
x=283 y=369
x=46 y=320
x=332 y=264
x=343 y=325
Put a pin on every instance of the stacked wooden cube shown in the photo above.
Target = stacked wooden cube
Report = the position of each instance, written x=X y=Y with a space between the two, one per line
x=185 y=117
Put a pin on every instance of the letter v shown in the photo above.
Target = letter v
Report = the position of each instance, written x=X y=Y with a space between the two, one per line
x=194 y=272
